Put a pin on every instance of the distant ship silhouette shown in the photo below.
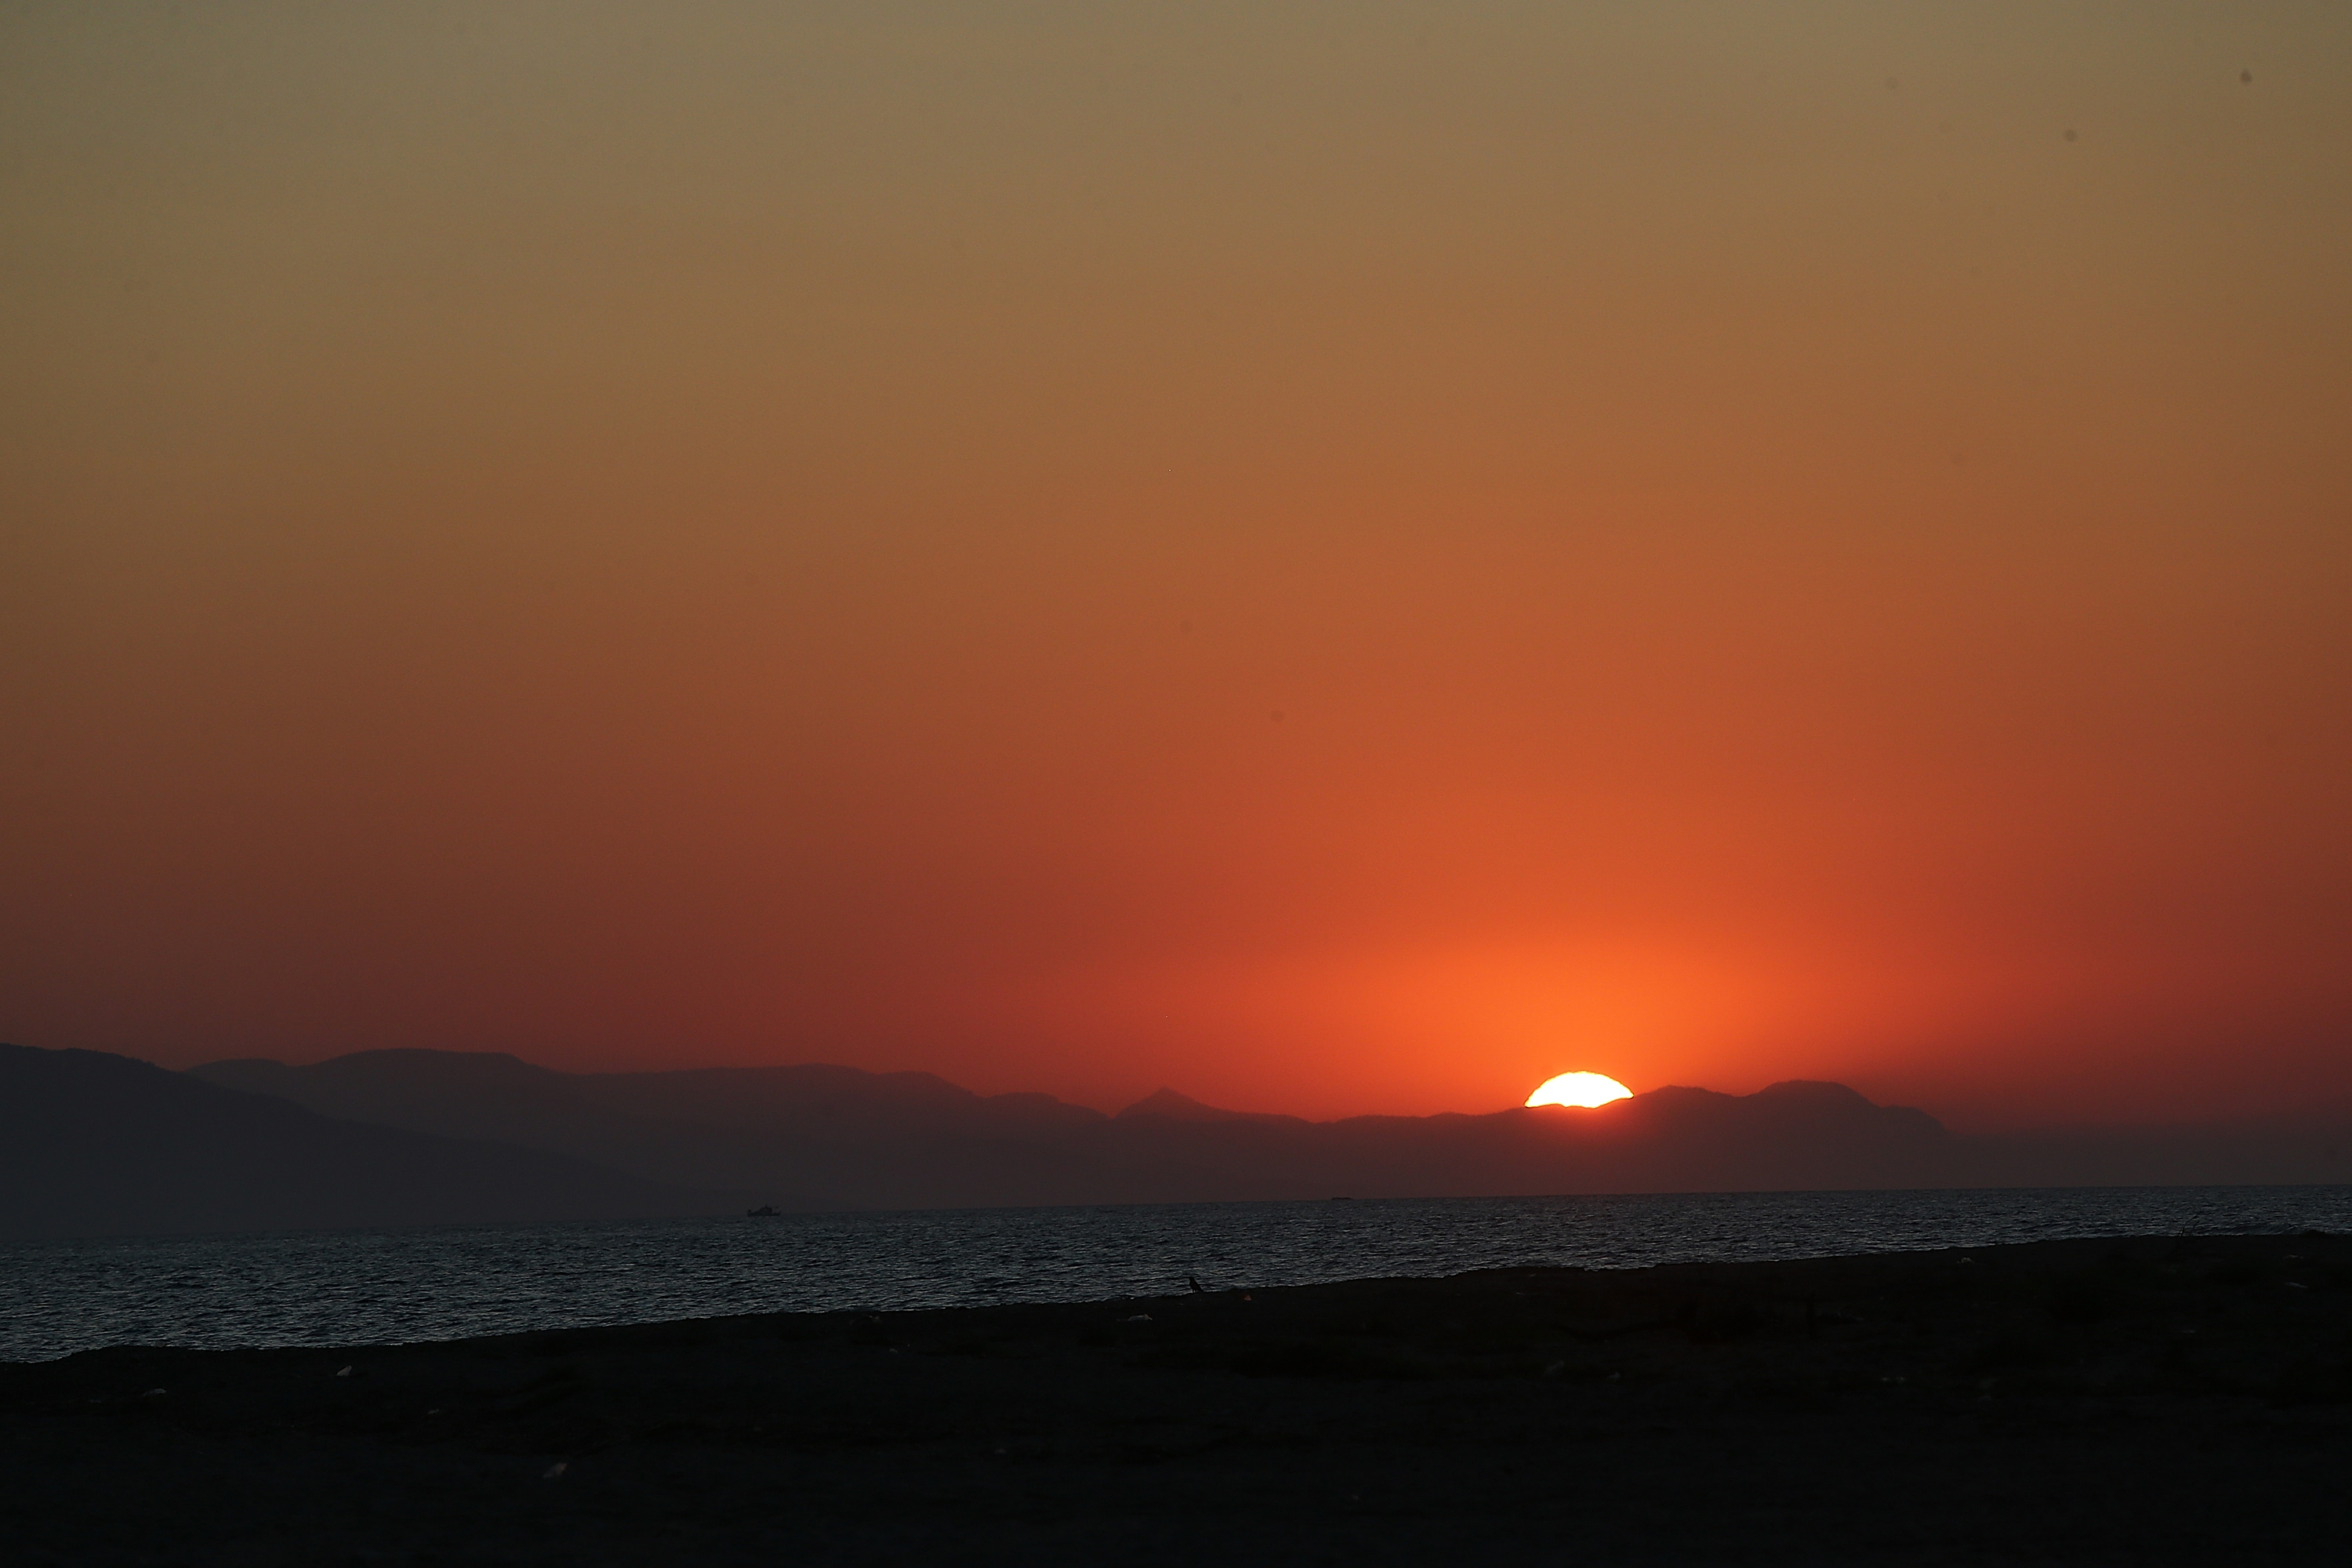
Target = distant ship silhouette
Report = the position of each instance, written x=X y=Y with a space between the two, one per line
x=765 y=1211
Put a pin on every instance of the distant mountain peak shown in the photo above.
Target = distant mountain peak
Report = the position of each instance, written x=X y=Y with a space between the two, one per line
x=1170 y=1106
x=1815 y=1091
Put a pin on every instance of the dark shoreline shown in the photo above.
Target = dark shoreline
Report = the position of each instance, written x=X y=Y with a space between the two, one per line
x=2153 y=1399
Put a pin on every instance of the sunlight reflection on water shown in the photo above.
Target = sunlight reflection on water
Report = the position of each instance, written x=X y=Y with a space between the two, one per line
x=380 y=1287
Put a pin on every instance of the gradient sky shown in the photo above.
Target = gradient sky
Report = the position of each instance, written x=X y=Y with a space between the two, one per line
x=1340 y=558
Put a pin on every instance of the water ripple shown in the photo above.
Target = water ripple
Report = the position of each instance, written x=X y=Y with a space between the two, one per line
x=381 y=1286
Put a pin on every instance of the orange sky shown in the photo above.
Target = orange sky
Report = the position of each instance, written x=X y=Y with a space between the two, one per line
x=1336 y=558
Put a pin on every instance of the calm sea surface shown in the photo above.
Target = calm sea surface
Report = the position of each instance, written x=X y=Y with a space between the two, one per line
x=376 y=1286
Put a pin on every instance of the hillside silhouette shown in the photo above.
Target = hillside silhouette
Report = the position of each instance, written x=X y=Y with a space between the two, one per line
x=96 y=1145
x=825 y=1137
x=832 y=1136
x=92 y=1143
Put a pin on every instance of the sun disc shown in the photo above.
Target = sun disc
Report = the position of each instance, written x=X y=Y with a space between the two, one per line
x=1583 y=1090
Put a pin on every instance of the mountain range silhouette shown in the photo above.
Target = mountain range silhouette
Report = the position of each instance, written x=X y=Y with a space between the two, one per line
x=95 y=1144
x=92 y=1143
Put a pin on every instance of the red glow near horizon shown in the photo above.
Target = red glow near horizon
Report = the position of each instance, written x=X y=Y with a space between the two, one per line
x=1326 y=571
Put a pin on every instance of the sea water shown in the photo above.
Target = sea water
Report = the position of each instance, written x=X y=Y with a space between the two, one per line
x=325 y=1287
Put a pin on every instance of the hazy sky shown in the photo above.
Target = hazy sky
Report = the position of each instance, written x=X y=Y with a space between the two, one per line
x=1335 y=557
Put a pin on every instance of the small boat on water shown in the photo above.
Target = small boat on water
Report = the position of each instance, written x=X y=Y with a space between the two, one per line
x=765 y=1211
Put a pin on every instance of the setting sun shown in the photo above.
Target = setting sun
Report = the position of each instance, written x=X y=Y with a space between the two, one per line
x=1580 y=1088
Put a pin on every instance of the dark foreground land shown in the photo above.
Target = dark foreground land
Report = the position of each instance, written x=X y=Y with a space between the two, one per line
x=2127 y=1402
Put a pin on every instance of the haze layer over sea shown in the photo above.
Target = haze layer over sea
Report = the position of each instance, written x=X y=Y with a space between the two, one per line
x=321 y=1287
